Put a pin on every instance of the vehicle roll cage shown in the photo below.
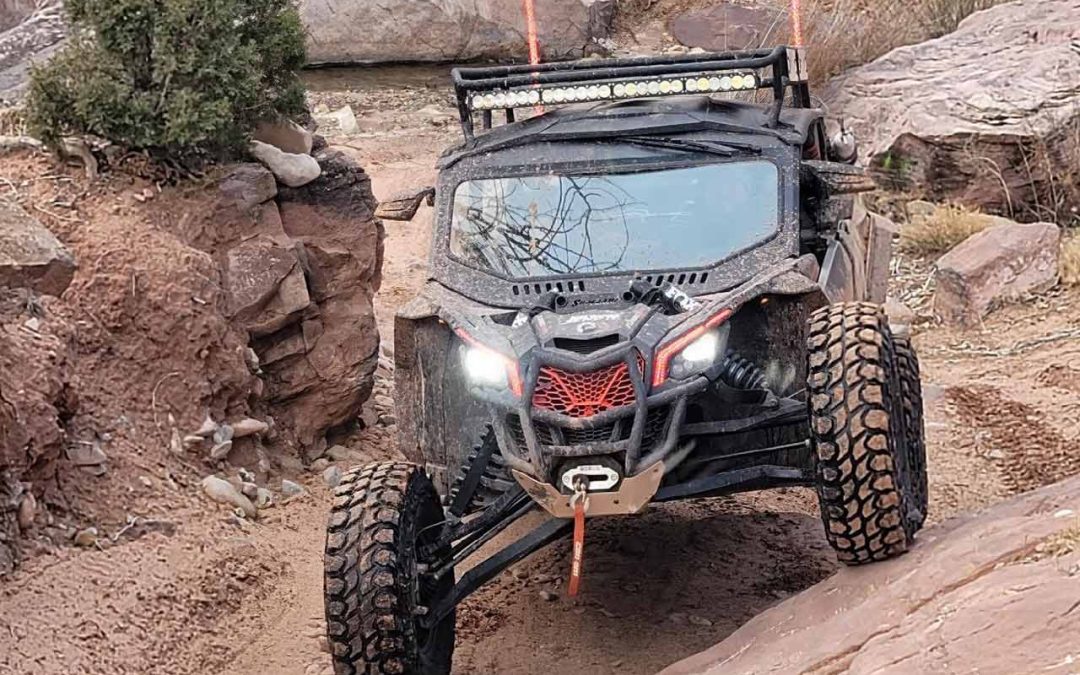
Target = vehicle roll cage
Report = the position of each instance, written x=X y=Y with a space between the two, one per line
x=518 y=86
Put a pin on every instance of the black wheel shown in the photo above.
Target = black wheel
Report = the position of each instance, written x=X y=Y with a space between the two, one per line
x=375 y=595
x=864 y=482
x=914 y=427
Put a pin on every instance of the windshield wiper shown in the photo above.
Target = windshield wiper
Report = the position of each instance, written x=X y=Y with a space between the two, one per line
x=723 y=148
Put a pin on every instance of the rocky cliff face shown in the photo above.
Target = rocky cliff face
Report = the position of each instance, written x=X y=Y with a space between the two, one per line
x=995 y=592
x=29 y=31
x=986 y=115
x=359 y=31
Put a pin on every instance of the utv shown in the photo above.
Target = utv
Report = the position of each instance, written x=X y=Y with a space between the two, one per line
x=661 y=285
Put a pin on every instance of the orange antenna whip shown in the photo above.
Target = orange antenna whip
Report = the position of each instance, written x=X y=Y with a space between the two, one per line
x=796 y=24
x=530 y=25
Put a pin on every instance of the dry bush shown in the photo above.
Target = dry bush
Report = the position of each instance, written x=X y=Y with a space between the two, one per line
x=846 y=33
x=1070 y=260
x=948 y=226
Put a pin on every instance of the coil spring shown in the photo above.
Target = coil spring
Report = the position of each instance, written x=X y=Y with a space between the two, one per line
x=741 y=373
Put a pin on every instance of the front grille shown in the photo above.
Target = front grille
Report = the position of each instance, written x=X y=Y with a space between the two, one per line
x=583 y=394
x=583 y=436
x=654 y=427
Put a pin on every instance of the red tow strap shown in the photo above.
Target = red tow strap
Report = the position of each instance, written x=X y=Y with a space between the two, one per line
x=579 y=547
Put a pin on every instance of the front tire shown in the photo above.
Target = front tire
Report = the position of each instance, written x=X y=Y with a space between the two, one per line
x=375 y=595
x=865 y=484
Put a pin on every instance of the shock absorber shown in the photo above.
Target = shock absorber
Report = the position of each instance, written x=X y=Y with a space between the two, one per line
x=741 y=373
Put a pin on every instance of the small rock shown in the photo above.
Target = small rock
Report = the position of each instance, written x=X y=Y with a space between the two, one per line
x=33 y=324
x=520 y=573
x=146 y=482
x=996 y=453
x=221 y=450
x=209 y=426
x=192 y=440
x=176 y=444
x=548 y=596
x=679 y=618
x=387 y=420
x=249 y=490
x=247 y=186
x=86 y=538
x=249 y=427
x=332 y=476
x=245 y=475
x=920 y=209
x=319 y=465
x=264 y=499
x=294 y=170
x=337 y=453
x=699 y=620
x=324 y=645
x=27 y=510
x=345 y=119
x=222 y=491
x=291 y=489
x=223 y=433
x=87 y=454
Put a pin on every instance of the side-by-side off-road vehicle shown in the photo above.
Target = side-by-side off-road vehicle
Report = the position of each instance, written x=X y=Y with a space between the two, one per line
x=657 y=283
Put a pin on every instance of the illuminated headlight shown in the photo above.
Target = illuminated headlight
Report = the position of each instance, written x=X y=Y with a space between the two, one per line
x=484 y=367
x=697 y=356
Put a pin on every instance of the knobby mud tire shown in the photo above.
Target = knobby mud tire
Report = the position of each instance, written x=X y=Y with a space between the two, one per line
x=858 y=433
x=914 y=428
x=382 y=514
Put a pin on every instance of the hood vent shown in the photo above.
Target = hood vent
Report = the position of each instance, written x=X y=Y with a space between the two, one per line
x=679 y=279
x=572 y=286
x=586 y=346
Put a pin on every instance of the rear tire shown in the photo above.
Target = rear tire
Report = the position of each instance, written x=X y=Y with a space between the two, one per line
x=382 y=515
x=865 y=485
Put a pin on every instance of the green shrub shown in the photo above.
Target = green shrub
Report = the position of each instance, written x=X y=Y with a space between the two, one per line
x=180 y=78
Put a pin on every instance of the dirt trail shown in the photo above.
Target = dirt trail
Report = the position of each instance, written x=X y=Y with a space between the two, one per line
x=204 y=592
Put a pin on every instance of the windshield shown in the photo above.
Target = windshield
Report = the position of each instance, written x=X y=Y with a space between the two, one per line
x=533 y=226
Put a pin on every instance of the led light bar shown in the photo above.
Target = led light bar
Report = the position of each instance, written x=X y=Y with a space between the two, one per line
x=670 y=86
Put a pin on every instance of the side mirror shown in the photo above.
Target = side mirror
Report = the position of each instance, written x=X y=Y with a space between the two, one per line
x=404 y=205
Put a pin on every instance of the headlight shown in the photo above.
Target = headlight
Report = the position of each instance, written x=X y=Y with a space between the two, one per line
x=693 y=351
x=485 y=367
x=698 y=355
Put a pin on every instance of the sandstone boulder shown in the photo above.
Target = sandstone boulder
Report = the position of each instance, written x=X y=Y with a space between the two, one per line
x=448 y=30
x=998 y=264
x=285 y=135
x=266 y=286
x=985 y=116
x=319 y=369
x=995 y=592
x=724 y=26
x=30 y=256
x=293 y=170
x=247 y=186
x=29 y=32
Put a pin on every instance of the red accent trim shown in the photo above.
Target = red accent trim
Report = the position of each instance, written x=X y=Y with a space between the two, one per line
x=513 y=376
x=530 y=27
x=668 y=351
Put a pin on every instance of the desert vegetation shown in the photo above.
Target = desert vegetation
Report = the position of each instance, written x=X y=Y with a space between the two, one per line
x=178 y=78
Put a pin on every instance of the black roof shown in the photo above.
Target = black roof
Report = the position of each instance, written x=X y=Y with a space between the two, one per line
x=647 y=116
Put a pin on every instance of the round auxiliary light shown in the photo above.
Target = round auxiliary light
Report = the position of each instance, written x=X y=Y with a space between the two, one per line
x=586 y=93
x=654 y=88
x=691 y=85
x=703 y=84
x=631 y=89
x=725 y=83
x=500 y=100
x=749 y=81
x=478 y=101
x=714 y=84
x=593 y=92
x=534 y=96
x=603 y=91
x=665 y=87
x=676 y=86
x=737 y=82
x=620 y=90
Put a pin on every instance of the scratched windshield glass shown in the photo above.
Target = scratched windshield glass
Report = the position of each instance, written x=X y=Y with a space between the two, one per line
x=534 y=226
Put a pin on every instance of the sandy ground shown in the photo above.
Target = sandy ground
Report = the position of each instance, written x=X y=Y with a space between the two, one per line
x=205 y=592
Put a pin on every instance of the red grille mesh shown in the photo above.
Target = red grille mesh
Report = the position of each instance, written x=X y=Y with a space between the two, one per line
x=583 y=394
